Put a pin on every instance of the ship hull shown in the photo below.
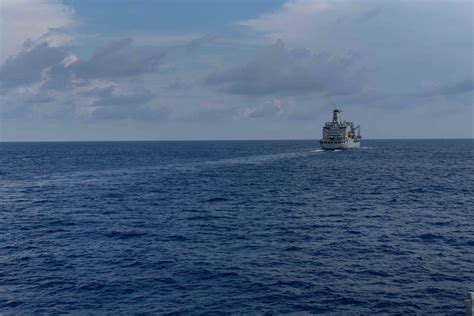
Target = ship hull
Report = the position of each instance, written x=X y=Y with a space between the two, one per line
x=349 y=144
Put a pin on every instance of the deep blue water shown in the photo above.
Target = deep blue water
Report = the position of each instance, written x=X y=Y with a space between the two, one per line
x=242 y=227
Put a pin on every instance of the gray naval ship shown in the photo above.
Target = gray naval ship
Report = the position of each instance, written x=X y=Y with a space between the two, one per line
x=340 y=134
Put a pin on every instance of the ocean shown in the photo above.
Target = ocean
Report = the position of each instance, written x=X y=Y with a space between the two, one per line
x=236 y=227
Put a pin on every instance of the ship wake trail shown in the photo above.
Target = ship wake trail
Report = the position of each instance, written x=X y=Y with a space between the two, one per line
x=258 y=159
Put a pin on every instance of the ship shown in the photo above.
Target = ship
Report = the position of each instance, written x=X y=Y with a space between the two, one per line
x=340 y=134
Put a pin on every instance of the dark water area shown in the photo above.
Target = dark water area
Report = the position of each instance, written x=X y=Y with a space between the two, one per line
x=241 y=227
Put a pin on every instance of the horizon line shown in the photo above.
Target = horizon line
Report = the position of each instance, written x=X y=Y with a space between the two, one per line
x=210 y=140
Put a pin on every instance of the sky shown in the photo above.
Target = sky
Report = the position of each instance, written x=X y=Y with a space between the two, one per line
x=234 y=69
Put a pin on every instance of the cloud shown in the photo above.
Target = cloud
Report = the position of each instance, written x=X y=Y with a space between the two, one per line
x=369 y=14
x=39 y=98
x=42 y=74
x=110 y=103
x=117 y=59
x=56 y=67
x=399 y=43
x=23 y=20
x=26 y=103
x=360 y=17
x=99 y=90
x=293 y=21
x=175 y=85
x=291 y=13
x=304 y=21
x=277 y=70
x=365 y=55
x=112 y=97
x=142 y=113
x=197 y=43
x=27 y=67
x=458 y=87
x=268 y=108
x=108 y=99
x=58 y=77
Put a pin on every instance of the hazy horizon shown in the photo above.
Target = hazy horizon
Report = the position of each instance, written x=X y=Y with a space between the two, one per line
x=213 y=140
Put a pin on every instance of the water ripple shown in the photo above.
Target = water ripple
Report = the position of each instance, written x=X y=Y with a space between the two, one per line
x=269 y=227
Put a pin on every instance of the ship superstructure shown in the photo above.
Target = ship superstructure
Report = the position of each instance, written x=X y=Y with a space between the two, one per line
x=340 y=134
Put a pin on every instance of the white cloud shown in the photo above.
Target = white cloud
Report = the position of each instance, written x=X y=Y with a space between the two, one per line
x=307 y=21
x=291 y=21
x=69 y=60
x=22 y=20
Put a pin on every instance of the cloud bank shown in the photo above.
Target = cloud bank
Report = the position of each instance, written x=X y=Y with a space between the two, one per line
x=117 y=59
x=23 y=20
x=282 y=69
x=277 y=70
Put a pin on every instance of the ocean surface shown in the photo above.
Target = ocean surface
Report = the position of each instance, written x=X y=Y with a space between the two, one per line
x=236 y=227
